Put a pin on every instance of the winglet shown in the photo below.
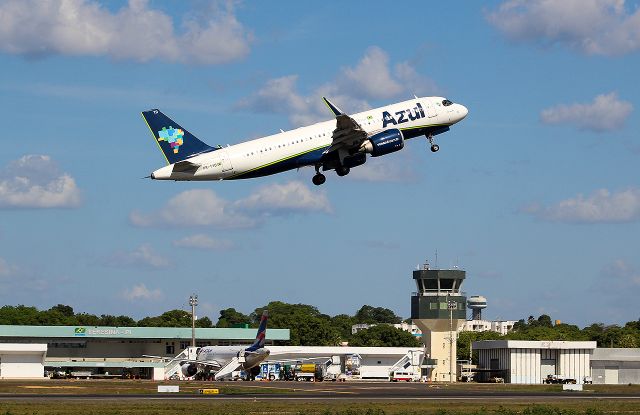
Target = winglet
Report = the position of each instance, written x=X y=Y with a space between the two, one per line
x=336 y=111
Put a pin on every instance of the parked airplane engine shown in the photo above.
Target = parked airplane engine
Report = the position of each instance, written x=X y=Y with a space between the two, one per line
x=384 y=143
x=255 y=371
x=189 y=369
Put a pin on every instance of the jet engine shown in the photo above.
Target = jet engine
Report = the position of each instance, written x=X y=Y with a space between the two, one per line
x=189 y=369
x=383 y=143
x=357 y=159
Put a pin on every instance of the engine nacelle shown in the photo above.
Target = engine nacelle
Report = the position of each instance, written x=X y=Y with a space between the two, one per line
x=255 y=371
x=189 y=369
x=357 y=159
x=384 y=143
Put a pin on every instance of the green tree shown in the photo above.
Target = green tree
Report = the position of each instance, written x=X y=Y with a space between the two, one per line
x=65 y=310
x=229 y=317
x=371 y=315
x=545 y=321
x=384 y=335
x=343 y=323
x=172 y=318
x=204 y=322
x=627 y=339
x=84 y=319
x=306 y=324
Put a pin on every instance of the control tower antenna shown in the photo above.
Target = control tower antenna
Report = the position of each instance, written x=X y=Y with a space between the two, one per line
x=436 y=259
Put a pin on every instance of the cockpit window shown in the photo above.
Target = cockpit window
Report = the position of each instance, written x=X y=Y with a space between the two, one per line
x=446 y=102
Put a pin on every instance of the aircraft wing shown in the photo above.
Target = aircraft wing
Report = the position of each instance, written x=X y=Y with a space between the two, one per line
x=348 y=133
x=302 y=359
x=227 y=369
x=212 y=363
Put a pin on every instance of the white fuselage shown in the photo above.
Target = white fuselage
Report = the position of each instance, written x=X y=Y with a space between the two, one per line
x=302 y=146
x=223 y=354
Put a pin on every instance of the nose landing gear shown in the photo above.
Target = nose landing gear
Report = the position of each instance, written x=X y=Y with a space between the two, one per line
x=434 y=147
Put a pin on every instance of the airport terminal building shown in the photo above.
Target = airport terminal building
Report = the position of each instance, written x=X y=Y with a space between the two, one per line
x=114 y=350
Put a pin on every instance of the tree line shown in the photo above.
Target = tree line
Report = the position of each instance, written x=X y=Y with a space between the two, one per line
x=307 y=325
x=543 y=328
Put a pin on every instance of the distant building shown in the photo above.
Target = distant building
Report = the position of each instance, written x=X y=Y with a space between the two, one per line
x=404 y=326
x=501 y=327
x=531 y=362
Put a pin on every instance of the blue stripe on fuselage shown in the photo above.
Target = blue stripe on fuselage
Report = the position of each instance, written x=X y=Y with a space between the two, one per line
x=305 y=159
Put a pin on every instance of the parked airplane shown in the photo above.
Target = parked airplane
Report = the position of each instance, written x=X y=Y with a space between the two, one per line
x=227 y=359
x=339 y=144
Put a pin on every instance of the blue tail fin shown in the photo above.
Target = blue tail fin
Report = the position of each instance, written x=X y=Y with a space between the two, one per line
x=175 y=142
x=260 y=337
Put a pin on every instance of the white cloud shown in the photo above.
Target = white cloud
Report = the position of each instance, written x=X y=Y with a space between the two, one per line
x=134 y=32
x=620 y=276
x=143 y=256
x=593 y=27
x=34 y=181
x=141 y=292
x=196 y=208
x=371 y=78
x=385 y=169
x=605 y=113
x=201 y=241
x=282 y=199
x=601 y=206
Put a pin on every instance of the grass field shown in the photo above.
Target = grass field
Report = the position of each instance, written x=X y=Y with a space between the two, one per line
x=116 y=387
x=211 y=406
x=133 y=406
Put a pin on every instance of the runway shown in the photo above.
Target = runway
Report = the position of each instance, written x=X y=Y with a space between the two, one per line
x=340 y=392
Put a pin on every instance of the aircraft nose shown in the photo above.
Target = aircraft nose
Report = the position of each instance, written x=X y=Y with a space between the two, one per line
x=463 y=111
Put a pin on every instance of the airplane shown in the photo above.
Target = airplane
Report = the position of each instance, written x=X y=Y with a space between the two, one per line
x=227 y=359
x=340 y=144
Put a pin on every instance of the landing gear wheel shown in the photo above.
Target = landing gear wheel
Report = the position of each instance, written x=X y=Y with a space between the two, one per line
x=342 y=171
x=435 y=147
x=319 y=179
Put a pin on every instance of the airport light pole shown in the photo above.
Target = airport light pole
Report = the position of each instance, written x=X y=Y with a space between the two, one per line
x=451 y=305
x=193 y=302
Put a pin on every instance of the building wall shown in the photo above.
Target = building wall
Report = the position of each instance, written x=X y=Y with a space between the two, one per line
x=376 y=366
x=21 y=365
x=497 y=360
x=575 y=364
x=525 y=366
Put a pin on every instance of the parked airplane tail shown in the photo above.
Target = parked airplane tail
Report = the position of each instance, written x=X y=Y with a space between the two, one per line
x=175 y=142
x=260 y=337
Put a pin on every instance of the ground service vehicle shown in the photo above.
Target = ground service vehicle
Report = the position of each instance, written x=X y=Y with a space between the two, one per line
x=401 y=376
x=557 y=379
x=309 y=371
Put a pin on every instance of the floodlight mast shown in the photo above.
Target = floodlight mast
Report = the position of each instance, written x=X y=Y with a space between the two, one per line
x=193 y=302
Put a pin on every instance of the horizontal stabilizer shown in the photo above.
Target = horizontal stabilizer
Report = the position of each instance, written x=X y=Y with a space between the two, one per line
x=185 y=166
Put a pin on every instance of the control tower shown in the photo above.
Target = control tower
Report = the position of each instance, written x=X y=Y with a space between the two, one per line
x=477 y=303
x=438 y=308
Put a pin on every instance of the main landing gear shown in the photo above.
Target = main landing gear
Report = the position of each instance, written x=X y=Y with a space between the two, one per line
x=342 y=171
x=434 y=147
x=319 y=178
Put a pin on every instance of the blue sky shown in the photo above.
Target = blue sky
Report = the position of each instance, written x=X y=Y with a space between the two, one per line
x=536 y=194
